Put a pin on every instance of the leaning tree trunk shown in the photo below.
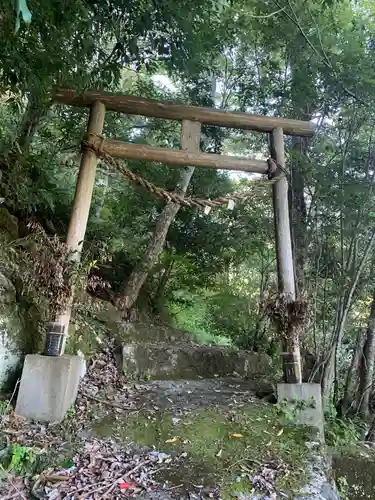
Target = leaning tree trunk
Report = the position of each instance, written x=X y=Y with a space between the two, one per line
x=190 y=137
x=367 y=365
x=131 y=288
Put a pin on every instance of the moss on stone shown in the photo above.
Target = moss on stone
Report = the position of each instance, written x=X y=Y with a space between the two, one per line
x=353 y=472
x=214 y=454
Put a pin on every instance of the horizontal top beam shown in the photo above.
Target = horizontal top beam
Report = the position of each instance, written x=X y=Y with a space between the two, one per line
x=171 y=111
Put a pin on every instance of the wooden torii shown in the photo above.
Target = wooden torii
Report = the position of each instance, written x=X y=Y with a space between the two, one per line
x=189 y=155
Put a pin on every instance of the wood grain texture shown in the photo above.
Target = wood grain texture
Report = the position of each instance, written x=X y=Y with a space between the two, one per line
x=178 y=157
x=172 y=111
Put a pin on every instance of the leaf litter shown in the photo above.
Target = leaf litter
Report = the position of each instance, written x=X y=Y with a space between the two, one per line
x=104 y=467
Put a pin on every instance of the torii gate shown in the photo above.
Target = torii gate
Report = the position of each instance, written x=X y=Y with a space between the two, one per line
x=49 y=382
x=189 y=155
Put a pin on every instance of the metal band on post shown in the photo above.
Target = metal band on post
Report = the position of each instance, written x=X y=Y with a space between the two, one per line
x=54 y=340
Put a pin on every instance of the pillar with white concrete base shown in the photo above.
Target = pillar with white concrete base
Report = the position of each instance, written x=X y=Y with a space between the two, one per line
x=49 y=386
x=312 y=415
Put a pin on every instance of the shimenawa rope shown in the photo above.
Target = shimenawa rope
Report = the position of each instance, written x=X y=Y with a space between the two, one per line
x=169 y=196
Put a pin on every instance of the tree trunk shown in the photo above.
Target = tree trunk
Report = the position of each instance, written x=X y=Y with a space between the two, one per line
x=190 y=137
x=32 y=117
x=328 y=377
x=367 y=365
x=160 y=290
x=34 y=112
x=370 y=436
x=350 y=399
x=130 y=290
x=298 y=213
x=344 y=306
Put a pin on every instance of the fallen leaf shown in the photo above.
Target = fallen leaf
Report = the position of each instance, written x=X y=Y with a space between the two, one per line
x=172 y=440
x=235 y=435
x=280 y=432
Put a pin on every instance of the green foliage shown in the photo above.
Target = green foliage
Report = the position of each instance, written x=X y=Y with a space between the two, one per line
x=70 y=415
x=5 y=408
x=234 y=315
x=288 y=410
x=191 y=312
x=342 y=485
x=341 y=432
x=88 y=43
x=21 y=458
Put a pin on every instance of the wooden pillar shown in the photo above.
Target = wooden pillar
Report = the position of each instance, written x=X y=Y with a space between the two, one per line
x=285 y=268
x=85 y=185
x=80 y=214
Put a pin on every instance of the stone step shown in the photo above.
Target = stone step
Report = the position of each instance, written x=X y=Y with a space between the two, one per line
x=164 y=361
x=177 y=395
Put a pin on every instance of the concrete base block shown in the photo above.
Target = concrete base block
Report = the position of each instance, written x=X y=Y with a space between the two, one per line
x=49 y=386
x=313 y=415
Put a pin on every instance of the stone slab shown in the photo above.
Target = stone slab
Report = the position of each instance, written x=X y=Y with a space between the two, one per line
x=164 y=361
x=313 y=415
x=49 y=386
x=320 y=481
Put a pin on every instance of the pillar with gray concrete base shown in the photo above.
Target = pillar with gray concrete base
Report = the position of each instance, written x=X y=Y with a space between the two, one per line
x=49 y=386
x=312 y=415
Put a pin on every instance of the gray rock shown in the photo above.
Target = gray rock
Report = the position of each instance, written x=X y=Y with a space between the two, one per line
x=7 y=290
x=321 y=485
